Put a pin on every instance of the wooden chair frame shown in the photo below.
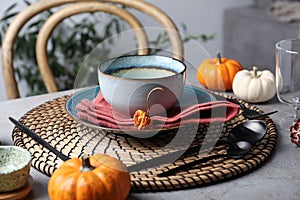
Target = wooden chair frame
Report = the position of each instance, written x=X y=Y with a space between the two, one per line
x=75 y=7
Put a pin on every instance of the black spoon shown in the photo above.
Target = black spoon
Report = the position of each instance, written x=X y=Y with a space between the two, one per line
x=241 y=138
x=236 y=150
x=251 y=131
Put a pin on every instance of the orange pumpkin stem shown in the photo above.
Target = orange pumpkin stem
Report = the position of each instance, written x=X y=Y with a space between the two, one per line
x=86 y=164
x=219 y=58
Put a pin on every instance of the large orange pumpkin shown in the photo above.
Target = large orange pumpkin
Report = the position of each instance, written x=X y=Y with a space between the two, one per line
x=93 y=177
x=218 y=73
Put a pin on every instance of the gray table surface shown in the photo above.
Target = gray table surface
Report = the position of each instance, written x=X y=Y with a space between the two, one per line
x=277 y=179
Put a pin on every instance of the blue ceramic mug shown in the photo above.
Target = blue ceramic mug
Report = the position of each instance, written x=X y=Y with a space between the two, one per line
x=126 y=81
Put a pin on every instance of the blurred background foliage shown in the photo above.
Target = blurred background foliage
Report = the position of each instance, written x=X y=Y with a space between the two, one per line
x=71 y=41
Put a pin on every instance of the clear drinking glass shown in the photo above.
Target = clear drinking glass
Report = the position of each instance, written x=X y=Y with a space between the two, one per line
x=288 y=78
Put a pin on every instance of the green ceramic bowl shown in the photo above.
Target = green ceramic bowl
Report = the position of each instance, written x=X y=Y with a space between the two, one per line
x=14 y=168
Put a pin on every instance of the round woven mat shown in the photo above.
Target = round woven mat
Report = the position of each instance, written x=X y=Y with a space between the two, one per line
x=51 y=122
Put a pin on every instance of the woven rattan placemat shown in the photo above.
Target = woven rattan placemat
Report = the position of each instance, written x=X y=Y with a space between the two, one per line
x=51 y=122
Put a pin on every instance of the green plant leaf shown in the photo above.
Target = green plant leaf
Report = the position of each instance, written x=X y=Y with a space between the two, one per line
x=8 y=16
x=10 y=8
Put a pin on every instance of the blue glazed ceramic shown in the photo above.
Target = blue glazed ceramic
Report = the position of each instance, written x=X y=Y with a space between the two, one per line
x=126 y=82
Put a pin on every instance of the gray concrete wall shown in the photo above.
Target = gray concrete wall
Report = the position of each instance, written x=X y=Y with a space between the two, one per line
x=250 y=34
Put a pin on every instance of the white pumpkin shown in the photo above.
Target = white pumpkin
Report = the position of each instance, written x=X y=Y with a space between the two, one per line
x=254 y=86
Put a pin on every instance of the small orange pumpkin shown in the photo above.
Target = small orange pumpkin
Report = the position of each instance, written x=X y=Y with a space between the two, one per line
x=92 y=177
x=218 y=73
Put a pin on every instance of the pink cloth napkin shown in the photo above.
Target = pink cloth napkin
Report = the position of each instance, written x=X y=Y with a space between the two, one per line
x=99 y=112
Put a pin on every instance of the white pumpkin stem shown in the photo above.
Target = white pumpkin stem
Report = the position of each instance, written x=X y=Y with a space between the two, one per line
x=254 y=70
x=219 y=58
x=148 y=96
x=86 y=164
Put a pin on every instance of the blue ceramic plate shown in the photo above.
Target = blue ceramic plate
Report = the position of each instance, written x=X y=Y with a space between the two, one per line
x=191 y=95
